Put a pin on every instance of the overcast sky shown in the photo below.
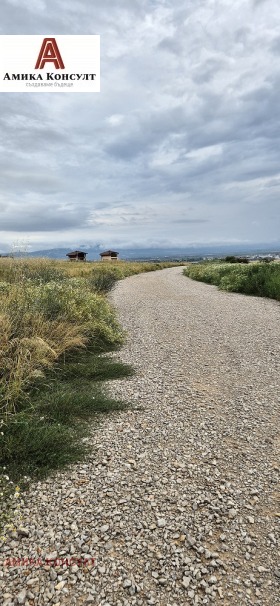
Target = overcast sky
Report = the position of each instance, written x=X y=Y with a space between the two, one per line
x=181 y=146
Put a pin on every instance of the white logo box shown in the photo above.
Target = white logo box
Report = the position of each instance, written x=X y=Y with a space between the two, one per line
x=80 y=56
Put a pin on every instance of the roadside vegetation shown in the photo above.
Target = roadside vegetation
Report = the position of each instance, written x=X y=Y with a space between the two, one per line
x=261 y=279
x=56 y=331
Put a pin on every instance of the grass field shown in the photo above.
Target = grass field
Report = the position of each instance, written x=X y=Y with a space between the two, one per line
x=56 y=329
x=260 y=279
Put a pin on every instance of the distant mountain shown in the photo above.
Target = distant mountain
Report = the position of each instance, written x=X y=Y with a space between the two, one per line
x=163 y=253
x=58 y=253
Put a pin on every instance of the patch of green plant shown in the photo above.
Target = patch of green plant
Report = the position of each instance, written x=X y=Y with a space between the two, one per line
x=33 y=445
x=259 y=279
x=71 y=404
x=87 y=366
x=211 y=273
x=103 y=281
x=49 y=430
x=232 y=259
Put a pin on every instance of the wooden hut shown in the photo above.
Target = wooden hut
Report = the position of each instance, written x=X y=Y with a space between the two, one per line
x=77 y=255
x=109 y=255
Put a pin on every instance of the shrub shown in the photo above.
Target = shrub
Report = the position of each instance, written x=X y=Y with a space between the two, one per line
x=234 y=281
x=259 y=279
x=210 y=272
x=103 y=281
x=232 y=259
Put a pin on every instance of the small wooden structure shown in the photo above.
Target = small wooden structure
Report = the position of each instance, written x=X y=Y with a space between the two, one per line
x=77 y=255
x=109 y=255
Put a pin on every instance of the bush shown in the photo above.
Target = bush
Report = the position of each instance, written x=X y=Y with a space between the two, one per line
x=234 y=281
x=211 y=273
x=232 y=259
x=260 y=279
x=103 y=281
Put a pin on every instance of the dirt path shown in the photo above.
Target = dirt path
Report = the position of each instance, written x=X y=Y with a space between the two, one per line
x=208 y=379
x=182 y=504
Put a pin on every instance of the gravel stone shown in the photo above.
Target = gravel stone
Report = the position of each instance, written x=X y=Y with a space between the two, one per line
x=186 y=581
x=23 y=532
x=213 y=580
x=21 y=597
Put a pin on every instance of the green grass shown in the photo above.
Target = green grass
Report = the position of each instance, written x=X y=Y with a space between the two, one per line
x=48 y=431
x=259 y=279
x=92 y=367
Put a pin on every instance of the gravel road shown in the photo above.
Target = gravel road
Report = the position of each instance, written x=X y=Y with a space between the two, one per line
x=181 y=503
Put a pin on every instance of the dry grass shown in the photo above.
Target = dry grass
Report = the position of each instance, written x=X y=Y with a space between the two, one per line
x=25 y=354
x=122 y=269
x=43 y=316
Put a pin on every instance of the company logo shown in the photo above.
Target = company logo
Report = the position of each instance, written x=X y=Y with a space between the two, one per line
x=51 y=63
x=49 y=53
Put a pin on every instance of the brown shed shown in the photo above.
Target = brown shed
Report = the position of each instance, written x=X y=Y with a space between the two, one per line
x=109 y=255
x=77 y=255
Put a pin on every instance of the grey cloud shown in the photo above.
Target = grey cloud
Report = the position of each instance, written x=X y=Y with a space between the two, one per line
x=190 y=221
x=28 y=222
x=275 y=45
x=196 y=87
x=147 y=132
x=171 y=44
x=209 y=69
x=15 y=180
x=39 y=216
x=242 y=34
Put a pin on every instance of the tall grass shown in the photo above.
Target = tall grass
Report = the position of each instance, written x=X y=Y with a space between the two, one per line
x=260 y=279
x=39 y=323
x=121 y=269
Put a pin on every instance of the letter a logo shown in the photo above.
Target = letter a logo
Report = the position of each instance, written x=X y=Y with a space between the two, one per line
x=49 y=53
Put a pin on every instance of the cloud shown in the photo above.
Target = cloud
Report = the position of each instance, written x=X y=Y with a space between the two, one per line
x=32 y=213
x=181 y=145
